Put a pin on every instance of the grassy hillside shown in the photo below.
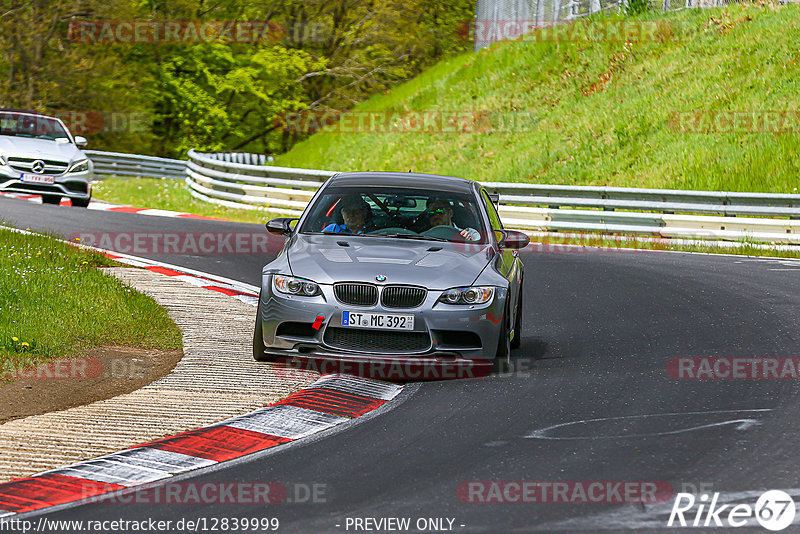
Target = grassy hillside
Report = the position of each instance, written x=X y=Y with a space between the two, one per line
x=602 y=109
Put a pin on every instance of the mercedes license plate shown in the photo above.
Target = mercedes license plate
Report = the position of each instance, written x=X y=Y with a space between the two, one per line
x=37 y=179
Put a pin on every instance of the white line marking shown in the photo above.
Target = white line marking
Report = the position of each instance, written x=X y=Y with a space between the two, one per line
x=742 y=424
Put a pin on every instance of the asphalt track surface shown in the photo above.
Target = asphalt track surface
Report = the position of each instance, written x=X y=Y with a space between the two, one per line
x=598 y=333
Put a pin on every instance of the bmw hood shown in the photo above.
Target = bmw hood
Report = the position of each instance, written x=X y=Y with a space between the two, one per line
x=327 y=259
x=25 y=147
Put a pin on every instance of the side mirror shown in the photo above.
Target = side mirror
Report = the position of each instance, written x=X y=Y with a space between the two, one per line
x=495 y=198
x=281 y=225
x=513 y=239
x=80 y=141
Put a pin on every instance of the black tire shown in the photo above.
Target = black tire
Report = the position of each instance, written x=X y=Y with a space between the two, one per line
x=80 y=202
x=51 y=199
x=502 y=359
x=517 y=341
x=258 y=338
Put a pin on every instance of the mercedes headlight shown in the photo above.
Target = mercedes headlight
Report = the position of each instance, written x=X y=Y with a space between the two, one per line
x=295 y=286
x=467 y=295
x=80 y=166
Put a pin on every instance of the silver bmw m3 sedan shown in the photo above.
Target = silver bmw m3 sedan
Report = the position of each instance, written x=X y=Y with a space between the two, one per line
x=396 y=266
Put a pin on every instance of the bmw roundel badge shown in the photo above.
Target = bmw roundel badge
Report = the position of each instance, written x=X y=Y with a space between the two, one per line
x=380 y=278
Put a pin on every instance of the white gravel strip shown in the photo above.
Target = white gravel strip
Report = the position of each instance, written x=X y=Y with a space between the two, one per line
x=216 y=379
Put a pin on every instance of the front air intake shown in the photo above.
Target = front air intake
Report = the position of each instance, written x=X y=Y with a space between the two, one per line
x=403 y=296
x=356 y=294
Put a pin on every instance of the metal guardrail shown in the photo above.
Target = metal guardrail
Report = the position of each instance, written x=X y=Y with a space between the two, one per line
x=244 y=181
x=281 y=190
x=118 y=164
x=759 y=217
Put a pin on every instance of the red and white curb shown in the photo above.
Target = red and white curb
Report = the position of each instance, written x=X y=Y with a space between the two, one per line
x=238 y=290
x=105 y=206
x=328 y=402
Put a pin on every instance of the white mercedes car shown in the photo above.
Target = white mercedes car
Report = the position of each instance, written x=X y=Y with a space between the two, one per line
x=39 y=155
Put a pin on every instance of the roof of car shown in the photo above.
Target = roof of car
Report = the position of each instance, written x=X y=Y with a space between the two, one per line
x=25 y=111
x=402 y=179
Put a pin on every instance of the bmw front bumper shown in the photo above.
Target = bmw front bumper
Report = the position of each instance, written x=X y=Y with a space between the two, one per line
x=442 y=332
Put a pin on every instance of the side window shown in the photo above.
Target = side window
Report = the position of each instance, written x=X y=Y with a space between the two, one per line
x=494 y=219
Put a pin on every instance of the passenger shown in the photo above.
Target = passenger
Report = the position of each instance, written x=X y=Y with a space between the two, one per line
x=440 y=213
x=355 y=212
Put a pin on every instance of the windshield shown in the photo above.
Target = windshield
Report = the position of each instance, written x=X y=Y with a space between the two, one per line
x=33 y=126
x=398 y=213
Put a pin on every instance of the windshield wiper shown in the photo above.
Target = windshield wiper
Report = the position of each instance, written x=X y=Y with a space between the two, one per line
x=418 y=236
x=340 y=234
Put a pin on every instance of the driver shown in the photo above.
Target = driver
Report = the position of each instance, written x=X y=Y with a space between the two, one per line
x=354 y=212
x=440 y=213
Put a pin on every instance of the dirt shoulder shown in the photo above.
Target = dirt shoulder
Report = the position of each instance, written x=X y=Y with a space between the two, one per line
x=100 y=374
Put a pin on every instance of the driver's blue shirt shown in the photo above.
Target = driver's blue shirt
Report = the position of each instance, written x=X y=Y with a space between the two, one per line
x=341 y=228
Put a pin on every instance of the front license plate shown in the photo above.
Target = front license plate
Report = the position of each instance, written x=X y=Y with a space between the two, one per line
x=385 y=321
x=37 y=179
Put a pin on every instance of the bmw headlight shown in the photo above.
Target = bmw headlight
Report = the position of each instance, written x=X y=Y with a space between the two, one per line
x=80 y=166
x=467 y=295
x=295 y=286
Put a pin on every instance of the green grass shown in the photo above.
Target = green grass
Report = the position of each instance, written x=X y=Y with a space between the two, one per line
x=169 y=194
x=584 y=132
x=56 y=302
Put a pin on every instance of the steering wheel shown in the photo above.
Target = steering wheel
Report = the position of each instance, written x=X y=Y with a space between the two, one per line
x=392 y=230
x=445 y=232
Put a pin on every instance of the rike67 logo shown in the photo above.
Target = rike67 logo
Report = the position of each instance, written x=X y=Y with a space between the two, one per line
x=774 y=510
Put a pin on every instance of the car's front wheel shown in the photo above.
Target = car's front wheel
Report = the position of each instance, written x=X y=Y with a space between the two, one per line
x=80 y=202
x=502 y=359
x=51 y=199
x=258 y=338
x=517 y=341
